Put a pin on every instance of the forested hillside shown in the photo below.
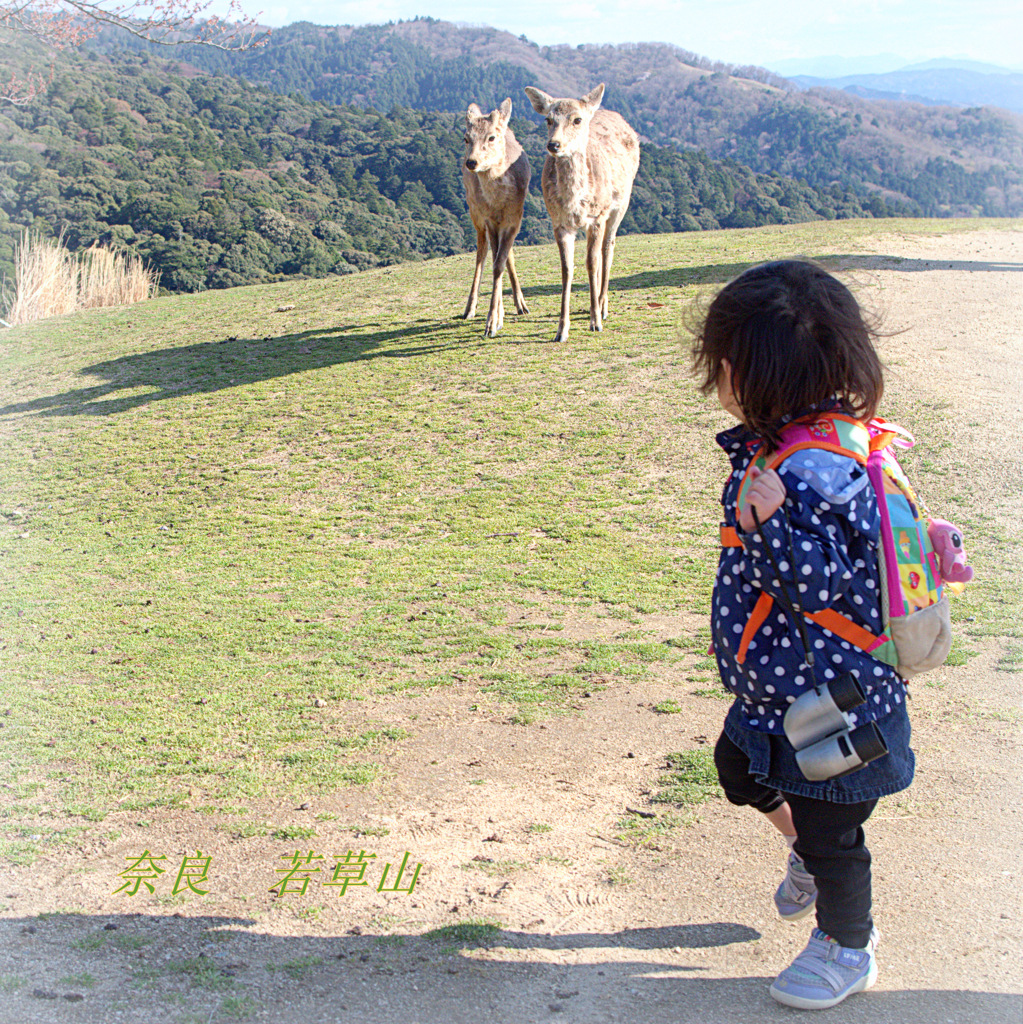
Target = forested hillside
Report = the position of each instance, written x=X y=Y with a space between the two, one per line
x=218 y=183
x=937 y=161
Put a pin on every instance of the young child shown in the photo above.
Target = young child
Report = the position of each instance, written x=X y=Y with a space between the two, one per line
x=787 y=341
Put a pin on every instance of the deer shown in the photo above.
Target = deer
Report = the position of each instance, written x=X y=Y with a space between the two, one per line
x=496 y=177
x=591 y=162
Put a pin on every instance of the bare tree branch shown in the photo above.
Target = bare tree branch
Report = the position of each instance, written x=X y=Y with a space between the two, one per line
x=62 y=23
x=66 y=23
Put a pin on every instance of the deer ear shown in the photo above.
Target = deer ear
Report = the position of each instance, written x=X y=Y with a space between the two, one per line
x=540 y=100
x=593 y=99
x=473 y=113
x=505 y=109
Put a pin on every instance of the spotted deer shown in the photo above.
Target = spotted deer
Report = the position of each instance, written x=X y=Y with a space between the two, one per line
x=496 y=176
x=592 y=159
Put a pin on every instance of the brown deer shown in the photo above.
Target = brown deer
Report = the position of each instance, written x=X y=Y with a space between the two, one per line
x=496 y=176
x=592 y=159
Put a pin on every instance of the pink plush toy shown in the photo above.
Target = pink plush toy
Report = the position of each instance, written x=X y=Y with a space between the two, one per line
x=947 y=541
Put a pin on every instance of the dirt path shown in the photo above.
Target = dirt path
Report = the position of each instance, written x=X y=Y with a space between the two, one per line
x=518 y=825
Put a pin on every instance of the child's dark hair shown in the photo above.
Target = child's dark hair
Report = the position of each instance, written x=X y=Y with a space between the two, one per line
x=795 y=338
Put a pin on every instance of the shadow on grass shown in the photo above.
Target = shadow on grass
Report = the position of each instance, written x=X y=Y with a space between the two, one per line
x=70 y=964
x=721 y=273
x=214 y=366
x=235 y=362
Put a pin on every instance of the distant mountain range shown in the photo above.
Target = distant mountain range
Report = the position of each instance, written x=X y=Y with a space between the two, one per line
x=835 y=66
x=935 y=82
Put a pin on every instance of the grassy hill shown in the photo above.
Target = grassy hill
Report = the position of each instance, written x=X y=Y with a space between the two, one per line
x=229 y=518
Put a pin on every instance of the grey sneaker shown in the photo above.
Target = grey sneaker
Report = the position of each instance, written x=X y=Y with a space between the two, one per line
x=797 y=895
x=825 y=973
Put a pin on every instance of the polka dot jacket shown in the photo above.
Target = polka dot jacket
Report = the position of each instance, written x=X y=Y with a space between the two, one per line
x=825 y=546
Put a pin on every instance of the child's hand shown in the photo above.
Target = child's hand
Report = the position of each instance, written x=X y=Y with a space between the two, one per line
x=766 y=493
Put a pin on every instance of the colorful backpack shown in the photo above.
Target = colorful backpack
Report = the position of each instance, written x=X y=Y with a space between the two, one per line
x=915 y=610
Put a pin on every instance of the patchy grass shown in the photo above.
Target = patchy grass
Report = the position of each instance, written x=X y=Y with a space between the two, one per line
x=715 y=692
x=1012 y=659
x=494 y=868
x=617 y=875
x=365 y=830
x=238 y=1007
x=297 y=968
x=224 y=530
x=649 y=830
x=692 y=778
x=292 y=832
x=670 y=706
x=466 y=934
x=81 y=980
x=202 y=972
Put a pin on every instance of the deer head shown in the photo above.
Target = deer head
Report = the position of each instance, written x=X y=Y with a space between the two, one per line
x=484 y=137
x=568 y=121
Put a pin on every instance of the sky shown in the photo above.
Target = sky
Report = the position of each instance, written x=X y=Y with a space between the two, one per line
x=735 y=31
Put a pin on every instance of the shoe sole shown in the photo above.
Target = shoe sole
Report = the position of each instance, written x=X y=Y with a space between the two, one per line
x=802 y=1003
x=799 y=914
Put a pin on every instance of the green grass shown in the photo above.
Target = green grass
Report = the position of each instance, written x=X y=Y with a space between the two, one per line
x=201 y=972
x=647 y=830
x=494 y=868
x=692 y=778
x=716 y=692
x=1012 y=660
x=297 y=968
x=670 y=706
x=238 y=1007
x=224 y=531
x=617 y=875
x=81 y=980
x=468 y=933
x=292 y=832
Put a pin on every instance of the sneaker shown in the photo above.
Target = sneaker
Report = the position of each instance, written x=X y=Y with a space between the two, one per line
x=825 y=973
x=797 y=895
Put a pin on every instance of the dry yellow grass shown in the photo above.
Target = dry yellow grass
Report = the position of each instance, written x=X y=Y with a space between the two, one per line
x=51 y=281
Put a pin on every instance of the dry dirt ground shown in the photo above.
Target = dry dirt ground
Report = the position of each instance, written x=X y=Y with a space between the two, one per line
x=593 y=929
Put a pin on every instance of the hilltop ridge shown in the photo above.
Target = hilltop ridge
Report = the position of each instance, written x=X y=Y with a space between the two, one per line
x=947 y=161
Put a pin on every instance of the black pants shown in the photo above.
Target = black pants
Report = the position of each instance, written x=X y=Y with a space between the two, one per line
x=830 y=842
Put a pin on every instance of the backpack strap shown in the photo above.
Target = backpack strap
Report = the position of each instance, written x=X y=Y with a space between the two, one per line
x=730 y=537
x=833 y=432
x=843 y=435
x=757 y=618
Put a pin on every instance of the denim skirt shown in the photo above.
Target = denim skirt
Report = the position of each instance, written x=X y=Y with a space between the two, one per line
x=773 y=761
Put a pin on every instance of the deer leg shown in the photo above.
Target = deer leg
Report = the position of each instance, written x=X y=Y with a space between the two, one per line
x=594 y=261
x=520 y=299
x=610 y=234
x=474 y=292
x=500 y=245
x=565 y=237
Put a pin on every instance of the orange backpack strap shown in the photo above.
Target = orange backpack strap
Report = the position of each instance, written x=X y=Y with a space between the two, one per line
x=844 y=628
x=757 y=618
x=730 y=537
